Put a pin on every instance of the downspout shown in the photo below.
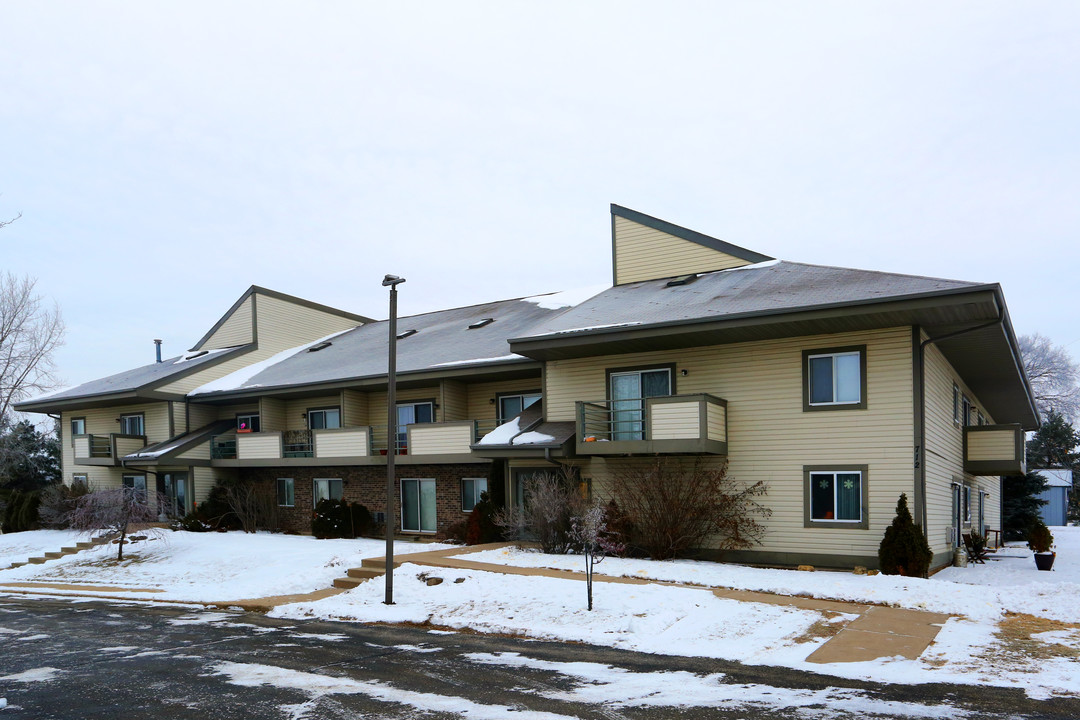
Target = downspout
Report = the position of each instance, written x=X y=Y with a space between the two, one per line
x=920 y=450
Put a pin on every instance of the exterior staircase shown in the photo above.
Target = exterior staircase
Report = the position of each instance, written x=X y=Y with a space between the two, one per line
x=77 y=547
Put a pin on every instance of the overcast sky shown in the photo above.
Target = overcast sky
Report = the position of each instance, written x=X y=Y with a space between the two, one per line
x=165 y=156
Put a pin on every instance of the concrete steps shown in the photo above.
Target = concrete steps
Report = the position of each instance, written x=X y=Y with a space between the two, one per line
x=62 y=552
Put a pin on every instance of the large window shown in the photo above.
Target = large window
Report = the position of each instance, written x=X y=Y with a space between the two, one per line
x=835 y=496
x=323 y=418
x=176 y=488
x=470 y=492
x=248 y=422
x=326 y=489
x=834 y=378
x=131 y=424
x=410 y=414
x=286 y=492
x=628 y=390
x=510 y=406
x=418 y=506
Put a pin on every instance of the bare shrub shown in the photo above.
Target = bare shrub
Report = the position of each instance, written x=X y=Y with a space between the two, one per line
x=58 y=501
x=551 y=499
x=115 y=510
x=674 y=507
x=590 y=536
x=255 y=504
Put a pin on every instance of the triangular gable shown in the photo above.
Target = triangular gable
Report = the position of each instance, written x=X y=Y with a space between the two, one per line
x=647 y=248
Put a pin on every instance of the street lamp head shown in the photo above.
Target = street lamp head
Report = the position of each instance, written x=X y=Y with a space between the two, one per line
x=392 y=280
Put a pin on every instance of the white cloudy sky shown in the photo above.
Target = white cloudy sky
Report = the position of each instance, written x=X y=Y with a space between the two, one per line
x=165 y=156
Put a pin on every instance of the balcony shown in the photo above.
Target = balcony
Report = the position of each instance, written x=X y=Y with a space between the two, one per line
x=105 y=449
x=669 y=425
x=442 y=438
x=994 y=450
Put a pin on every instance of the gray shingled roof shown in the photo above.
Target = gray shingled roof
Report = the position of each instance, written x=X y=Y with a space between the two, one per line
x=776 y=287
x=132 y=380
x=443 y=341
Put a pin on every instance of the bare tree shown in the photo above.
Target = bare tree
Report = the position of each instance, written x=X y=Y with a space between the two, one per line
x=589 y=533
x=255 y=504
x=1054 y=375
x=551 y=499
x=115 y=510
x=30 y=330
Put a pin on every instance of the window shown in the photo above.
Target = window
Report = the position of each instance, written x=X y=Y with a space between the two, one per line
x=956 y=404
x=323 y=418
x=835 y=496
x=137 y=483
x=131 y=424
x=418 y=506
x=78 y=426
x=286 y=492
x=177 y=491
x=965 y=411
x=510 y=406
x=834 y=379
x=323 y=489
x=80 y=479
x=410 y=414
x=965 y=503
x=248 y=422
x=628 y=390
x=470 y=492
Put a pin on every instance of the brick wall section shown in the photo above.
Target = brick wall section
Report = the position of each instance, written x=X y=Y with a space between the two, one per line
x=367 y=486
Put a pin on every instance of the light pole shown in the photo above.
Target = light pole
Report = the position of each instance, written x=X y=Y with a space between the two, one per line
x=391 y=281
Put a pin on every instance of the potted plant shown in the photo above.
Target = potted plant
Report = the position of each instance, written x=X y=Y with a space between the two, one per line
x=1040 y=541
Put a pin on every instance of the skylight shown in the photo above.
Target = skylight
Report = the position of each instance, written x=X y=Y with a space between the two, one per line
x=682 y=280
x=481 y=323
x=320 y=346
x=406 y=334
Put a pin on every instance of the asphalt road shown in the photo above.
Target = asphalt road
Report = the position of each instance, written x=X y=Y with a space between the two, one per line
x=73 y=659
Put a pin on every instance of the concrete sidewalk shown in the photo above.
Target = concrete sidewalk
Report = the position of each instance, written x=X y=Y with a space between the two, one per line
x=876 y=632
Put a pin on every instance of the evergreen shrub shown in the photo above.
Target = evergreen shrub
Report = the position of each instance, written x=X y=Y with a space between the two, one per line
x=904 y=550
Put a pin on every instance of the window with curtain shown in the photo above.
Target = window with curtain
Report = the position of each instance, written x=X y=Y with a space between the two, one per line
x=286 y=492
x=326 y=489
x=471 y=488
x=418 y=512
x=131 y=425
x=628 y=391
x=836 y=496
x=410 y=414
x=835 y=379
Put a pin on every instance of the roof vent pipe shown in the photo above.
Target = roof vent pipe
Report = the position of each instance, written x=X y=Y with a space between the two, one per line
x=157 y=349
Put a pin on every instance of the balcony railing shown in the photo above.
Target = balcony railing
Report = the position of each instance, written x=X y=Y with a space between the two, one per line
x=223 y=447
x=453 y=437
x=297 y=444
x=673 y=424
x=93 y=449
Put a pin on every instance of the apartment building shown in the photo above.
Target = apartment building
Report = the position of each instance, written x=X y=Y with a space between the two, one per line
x=840 y=389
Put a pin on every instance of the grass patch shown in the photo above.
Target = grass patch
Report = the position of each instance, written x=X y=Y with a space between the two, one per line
x=1016 y=642
x=825 y=628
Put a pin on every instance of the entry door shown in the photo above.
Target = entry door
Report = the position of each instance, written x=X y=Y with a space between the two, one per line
x=628 y=393
x=957 y=515
x=177 y=493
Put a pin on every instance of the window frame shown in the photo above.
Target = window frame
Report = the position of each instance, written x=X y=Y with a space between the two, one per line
x=419 y=506
x=291 y=494
x=966 y=406
x=132 y=477
x=956 y=403
x=401 y=432
x=476 y=495
x=809 y=471
x=807 y=355
x=71 y=425
x=330 y=495
x=249 y=415
x=311 y=411
x=84 y=477
x=500 y=396
x=142 y=423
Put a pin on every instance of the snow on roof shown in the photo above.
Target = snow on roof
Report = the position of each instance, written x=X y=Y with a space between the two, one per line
x=501 y=358
x=503 y=434
x=236 y=379
x=1056 y=477
x=566 y=298
x=533 y=438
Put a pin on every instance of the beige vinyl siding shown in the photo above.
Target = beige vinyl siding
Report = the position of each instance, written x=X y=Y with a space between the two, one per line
x=199 y=452
x=234 y=331
x=200 y=416
x=128 y=445
x=454 y=400
x=482 y=404
x=259 y=445
x=991 y=445
x=354 y=408
x=229 y=412
x=674 y=421
x=377 y=402
x=102 y=421
x=770 y=438
x=643 y=253
x=272 y=414
x=280 y=325
x=341 y=443
x=716 y=416
x=296 y=410
x=82 y=446
x=944 y=453
x=179 y=417
x=204 y=478
x=439 y=439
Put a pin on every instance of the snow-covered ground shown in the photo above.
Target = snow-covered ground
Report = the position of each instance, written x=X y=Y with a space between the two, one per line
x=986 y=643
x=209 y=567
x=18 y=547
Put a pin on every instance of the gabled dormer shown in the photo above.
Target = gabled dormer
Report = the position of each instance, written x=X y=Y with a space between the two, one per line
x=647 y=248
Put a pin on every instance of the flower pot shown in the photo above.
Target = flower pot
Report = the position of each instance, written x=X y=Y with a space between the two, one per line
x=1044 y=561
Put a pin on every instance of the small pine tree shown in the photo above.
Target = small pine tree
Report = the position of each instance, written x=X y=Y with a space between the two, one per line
x=904 y=550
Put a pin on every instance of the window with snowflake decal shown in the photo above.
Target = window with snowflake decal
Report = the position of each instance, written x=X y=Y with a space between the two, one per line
x=836 y=495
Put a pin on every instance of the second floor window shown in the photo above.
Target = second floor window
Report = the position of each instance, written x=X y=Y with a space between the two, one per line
x=410 y=414
x=248 y=423
x=834 y=379
x=78 y=426
x=629 y=389
x=510 y=406
x=324 y=418
x=131 y=425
